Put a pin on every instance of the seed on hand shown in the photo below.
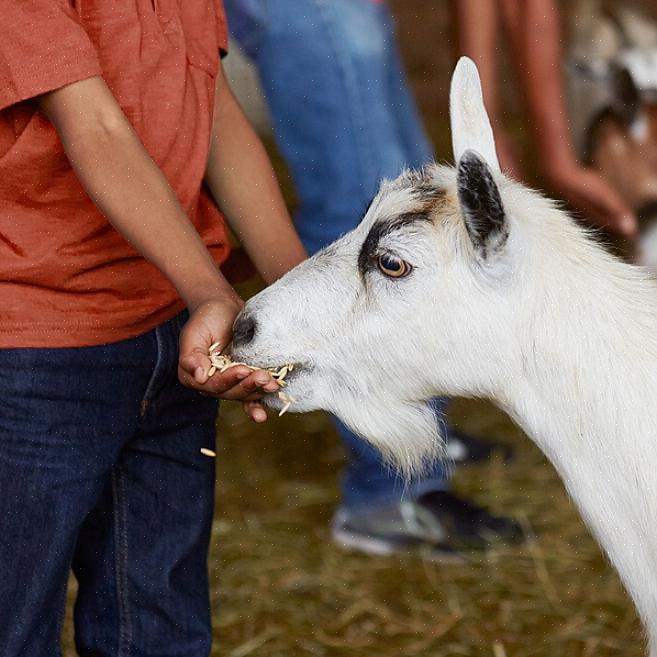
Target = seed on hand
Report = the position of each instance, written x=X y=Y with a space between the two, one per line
x=222 y=363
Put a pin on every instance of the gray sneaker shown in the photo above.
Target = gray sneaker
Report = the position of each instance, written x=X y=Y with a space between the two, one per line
x=438 y=521
x=400 y=528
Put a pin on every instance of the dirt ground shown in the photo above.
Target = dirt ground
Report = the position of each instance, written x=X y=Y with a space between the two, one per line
x=281 y=589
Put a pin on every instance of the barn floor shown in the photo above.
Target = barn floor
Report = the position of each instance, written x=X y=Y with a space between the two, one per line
x=281 y=589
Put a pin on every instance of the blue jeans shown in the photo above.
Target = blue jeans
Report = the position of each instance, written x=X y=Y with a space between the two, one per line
x=344 y=118
x=100 y=470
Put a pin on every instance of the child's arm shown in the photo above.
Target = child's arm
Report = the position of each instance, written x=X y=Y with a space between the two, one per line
x=131 y=191
x=242 y=181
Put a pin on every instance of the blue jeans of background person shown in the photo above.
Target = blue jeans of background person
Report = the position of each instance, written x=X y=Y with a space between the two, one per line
x=100 y=470
x=344 y=119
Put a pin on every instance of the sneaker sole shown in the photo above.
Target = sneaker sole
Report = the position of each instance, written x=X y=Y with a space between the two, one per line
x=380 y=548
x=365 y=544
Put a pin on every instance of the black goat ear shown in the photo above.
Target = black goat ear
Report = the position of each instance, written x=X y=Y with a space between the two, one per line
x=481 y=204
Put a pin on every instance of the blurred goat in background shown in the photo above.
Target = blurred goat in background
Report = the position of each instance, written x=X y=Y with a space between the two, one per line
x=612 y=77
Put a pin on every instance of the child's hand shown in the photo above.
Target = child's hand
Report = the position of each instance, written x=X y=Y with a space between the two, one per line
x=587 y=191
x=212 y=322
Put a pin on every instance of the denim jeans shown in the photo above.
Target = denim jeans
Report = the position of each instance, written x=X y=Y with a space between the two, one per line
x=344 y=118
x=100 y=470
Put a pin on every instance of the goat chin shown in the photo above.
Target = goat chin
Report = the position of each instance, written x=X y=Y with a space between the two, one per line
x=407 y=434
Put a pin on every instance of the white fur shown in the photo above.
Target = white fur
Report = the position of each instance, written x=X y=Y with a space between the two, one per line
x=556 y=331
x=471 y=129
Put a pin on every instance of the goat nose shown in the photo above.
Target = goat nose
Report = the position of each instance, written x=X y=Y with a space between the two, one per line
x=244 y=330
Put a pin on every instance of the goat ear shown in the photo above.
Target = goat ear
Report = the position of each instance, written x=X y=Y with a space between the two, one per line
x=481 y=204
x=469 y=120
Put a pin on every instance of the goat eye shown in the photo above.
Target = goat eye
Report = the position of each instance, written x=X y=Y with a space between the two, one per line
x=393 y=267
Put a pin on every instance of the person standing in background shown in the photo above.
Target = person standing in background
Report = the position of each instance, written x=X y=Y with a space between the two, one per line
x=534 y=35
x=344 y=119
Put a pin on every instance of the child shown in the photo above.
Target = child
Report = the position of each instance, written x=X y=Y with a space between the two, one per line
x=112 y=117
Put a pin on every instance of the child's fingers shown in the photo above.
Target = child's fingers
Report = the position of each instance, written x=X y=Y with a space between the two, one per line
x=209 y=324
x=221 y=382
x=257 y=383
x=255 y=411
x=214 y=385
x=236 y=383
x=193 y=369
x=194 y=359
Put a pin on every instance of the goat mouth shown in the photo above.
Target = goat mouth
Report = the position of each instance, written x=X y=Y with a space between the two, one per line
x=280 y=373
x=283 y=374
x=284 y=399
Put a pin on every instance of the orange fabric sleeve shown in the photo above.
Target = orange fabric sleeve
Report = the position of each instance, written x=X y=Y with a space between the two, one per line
x=43 y=47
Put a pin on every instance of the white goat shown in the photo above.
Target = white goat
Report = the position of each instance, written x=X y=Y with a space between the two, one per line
x=462 y=282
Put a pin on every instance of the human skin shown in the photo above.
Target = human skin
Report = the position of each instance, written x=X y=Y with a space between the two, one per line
x=241 y=179
x=535 y=38
x=478 y=36
x=135 y=197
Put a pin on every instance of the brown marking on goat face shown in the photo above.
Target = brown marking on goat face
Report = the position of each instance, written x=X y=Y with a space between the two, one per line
x=427 y=202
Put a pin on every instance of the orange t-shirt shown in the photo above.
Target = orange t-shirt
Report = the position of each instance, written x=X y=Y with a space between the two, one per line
x=67 y=278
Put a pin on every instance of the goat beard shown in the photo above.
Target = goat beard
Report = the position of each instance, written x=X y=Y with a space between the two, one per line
x=408 y=434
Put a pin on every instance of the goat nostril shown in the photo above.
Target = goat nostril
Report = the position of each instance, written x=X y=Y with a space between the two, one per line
x=244 y=329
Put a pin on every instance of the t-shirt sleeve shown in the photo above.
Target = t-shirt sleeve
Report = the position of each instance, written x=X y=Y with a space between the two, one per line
x=43 y=47
x=222 y=28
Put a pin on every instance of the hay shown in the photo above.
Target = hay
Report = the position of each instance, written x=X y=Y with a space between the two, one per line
x=281 y=589
x=280 y=585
